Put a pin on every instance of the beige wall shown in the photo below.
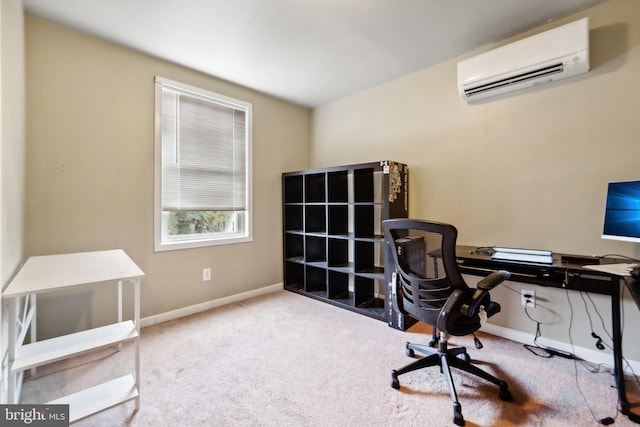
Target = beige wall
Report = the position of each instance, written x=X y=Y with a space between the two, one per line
x=90 y=175
x=12 y=154
x=527 y=171
x=12 y=144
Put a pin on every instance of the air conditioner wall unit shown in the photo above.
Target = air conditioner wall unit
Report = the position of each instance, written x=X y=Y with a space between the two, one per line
x=552 y=55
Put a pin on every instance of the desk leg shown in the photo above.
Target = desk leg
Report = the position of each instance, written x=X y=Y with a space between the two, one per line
x=119 y=307
x=119 y=300
x=34 y=322
x=11 y=376
x=136 y=319
x=618 y=367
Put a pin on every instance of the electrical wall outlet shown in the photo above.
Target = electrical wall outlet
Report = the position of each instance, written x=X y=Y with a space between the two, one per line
x=206 y=274
x=528 y=298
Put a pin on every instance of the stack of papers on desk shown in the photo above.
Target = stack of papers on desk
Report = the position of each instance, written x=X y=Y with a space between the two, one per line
x=523 y=255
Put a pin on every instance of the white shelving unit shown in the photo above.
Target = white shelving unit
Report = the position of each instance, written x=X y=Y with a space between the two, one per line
x=43 y=274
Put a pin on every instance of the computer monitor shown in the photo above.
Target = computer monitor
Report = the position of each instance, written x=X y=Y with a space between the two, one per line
x=622 y=212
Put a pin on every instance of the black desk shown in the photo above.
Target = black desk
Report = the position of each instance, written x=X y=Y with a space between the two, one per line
x=564 y=275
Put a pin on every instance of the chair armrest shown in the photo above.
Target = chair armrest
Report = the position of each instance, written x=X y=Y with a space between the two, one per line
x=493 y=280
x=485 y=285
x=448 y=309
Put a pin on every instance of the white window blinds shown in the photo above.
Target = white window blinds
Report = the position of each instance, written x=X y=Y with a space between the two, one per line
x=204 y=152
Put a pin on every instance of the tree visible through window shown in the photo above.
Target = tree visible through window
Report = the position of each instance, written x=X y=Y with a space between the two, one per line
x=203 y=158
x=196 y=222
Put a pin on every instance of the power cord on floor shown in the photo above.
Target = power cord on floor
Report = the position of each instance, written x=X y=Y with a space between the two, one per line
x=602 y=342
x=538 y=349
x=548 y=352
x=605 y=420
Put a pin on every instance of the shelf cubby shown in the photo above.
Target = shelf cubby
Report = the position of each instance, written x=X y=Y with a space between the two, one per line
x=364 y=221
x=316 y=281
x=338 y=186
x=294 y=246
x=293 y=189
x=293 y=218
x=368 y=293
x=338 y=252
x=338 y=220
x=315 y=249
x=363 y=185
x=314 y=190
x=365 y=258
x=315 y=219
x=294 y=276
x=338 y=286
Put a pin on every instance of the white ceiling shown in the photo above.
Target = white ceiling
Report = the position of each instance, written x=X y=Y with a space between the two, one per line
x=308 y=52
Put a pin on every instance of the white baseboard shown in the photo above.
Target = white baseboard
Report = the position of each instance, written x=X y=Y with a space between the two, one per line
x=604 y=358
x=208 y=305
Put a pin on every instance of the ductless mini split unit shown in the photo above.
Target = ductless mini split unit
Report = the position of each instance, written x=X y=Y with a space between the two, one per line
x=552 y=55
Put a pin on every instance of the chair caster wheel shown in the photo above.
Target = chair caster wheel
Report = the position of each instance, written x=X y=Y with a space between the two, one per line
x=395 y=383
x=458 y=419
x=465 y=357
x=410 y=352
x=504 y=393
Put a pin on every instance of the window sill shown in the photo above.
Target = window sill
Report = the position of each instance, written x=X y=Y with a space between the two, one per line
x=192 y=244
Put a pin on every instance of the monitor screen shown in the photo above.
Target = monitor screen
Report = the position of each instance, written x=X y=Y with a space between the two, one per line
x=622 y=212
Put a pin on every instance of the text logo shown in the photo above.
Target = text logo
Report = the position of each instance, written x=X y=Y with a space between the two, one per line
x=34 y=415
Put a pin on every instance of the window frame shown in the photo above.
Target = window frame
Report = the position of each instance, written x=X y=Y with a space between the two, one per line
x=161 y=242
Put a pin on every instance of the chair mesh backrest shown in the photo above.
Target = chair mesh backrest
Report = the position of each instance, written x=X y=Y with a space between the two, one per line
x=426 y=266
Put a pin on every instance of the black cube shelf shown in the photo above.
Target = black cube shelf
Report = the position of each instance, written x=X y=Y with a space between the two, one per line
x=333 y=242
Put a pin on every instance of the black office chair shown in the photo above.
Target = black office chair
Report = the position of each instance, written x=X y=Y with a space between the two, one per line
x=428 y=286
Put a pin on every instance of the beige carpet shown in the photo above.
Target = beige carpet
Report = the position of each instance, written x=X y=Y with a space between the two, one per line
x=287 y=360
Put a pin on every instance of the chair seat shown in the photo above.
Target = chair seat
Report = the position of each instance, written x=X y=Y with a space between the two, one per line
x=463 y=325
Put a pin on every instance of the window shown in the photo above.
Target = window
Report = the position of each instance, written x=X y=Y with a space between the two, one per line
x=203 y=168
